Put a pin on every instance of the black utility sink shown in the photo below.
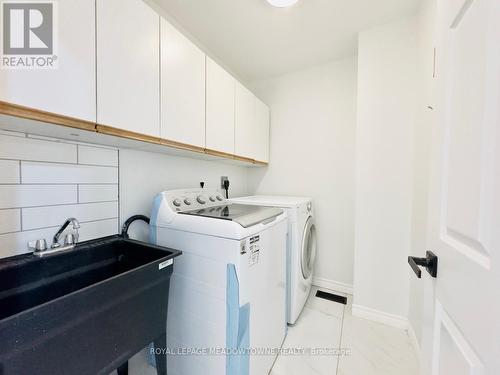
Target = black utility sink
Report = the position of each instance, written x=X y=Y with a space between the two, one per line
x=84 y=311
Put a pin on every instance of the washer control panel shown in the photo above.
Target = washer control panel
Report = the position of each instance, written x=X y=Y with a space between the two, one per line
x=193 y=199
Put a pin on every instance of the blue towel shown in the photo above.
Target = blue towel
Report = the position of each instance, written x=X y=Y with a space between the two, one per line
x=151 y=355
x=237 y=327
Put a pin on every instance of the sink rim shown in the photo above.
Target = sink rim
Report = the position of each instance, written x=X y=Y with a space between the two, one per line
x=19 y=260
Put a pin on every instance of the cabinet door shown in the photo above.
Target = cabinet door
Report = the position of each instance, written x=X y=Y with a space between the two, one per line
x=182 y=88
x=262 y=122
x=70 y=89
x=128 y=73
x=220 y=108
x=245 y=130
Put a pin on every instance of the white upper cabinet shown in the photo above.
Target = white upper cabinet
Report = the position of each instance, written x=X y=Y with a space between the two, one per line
x=251 y=125
x=245 y=130
x=128 y=72
x=182 y=88
x=262 y=122
x=220 y=108
x=121 y=65
x=70 y=88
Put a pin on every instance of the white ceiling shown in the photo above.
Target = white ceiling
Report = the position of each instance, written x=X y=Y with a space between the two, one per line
x=257 y=41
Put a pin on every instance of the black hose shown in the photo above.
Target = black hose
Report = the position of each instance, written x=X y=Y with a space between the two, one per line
x=129 y=221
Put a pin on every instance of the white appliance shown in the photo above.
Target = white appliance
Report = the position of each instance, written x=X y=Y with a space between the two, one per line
x=301 y=246
x=227 y=292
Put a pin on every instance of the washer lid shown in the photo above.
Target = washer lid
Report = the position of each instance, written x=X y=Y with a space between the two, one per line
x=274 y=201
x=245 y=215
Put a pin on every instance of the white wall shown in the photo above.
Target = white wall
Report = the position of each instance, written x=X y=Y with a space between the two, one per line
x=144 y=174
x=387 y=105
x=421 y=308
x=43 y=181
x=313 y=121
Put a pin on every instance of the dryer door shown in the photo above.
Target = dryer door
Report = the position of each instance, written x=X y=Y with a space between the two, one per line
x=308 y=248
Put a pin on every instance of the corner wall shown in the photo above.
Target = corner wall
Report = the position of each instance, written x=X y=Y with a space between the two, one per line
x=387 y=108
x=145 y=174
x=313 y=126
x=421 y=296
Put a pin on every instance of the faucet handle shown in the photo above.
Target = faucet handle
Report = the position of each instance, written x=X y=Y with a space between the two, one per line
x=38 y=246
x=71 y=239
x=41 y=245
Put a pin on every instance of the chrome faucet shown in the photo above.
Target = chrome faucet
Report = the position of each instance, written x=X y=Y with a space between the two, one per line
x=71 y=238
x=39 y=247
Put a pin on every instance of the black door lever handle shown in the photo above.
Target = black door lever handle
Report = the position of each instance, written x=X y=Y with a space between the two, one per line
x=430 y=262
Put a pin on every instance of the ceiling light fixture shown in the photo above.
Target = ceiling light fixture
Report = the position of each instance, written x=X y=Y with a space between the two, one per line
x=282 y=3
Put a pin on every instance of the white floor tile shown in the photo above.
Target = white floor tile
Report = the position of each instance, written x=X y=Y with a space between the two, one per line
x=319 y=327
x=375 y=349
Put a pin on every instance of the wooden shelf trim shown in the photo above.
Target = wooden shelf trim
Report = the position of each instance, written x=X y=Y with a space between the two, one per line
x=261 y=163
x=110 y=130
x=226 y=155
x=20 y=111
x=43 y=116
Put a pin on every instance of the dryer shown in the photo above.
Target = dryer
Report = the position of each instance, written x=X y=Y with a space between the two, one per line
x=301 y=246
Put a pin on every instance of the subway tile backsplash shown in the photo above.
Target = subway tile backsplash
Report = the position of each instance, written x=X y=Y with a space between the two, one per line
x=10 y=221
x=97 y=156
x=44 y=181
x=41 y=217
x=22 y=148
x=10 y=172
x=55 y=173
x=18 y=196
x=97 y=193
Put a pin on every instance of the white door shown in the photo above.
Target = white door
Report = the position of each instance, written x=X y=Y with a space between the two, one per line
x=128 y=71
x=182 y=88
x=465 y=192
x=220 y=108
x=70 y=89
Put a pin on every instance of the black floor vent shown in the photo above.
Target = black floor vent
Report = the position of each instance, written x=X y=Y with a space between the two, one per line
x=331 y=297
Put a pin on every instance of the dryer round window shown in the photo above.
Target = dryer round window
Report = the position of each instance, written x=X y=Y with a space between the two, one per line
x=308 y=248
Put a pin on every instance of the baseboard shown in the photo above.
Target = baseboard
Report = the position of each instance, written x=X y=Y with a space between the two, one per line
x=393 y=321
x=335 y=286
x=413 y=338
x=416 y=346
x=380 y=316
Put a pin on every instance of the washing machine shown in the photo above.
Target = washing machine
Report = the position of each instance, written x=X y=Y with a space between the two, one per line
x=227 y=307
x=301 y=246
